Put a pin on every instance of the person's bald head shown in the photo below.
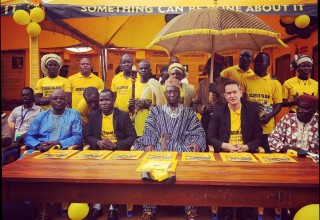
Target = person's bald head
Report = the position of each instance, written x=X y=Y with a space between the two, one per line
x=174 y=59
x=58 y=99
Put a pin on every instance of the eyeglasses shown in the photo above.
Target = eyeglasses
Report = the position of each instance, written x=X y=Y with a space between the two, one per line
x=303 y=110
x=58 y=98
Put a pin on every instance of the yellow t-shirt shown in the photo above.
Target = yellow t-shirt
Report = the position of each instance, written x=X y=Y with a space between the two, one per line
x=79 y=83
x=142 y=115
x=47 y=85
x=120 y=85
x=266 y=91
x=235 y=133
x=107 y=130
x=84 y=110
x=235 y=73
x=294 y=86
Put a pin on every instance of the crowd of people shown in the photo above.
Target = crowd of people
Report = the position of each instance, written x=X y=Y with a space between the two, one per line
x=140 y=112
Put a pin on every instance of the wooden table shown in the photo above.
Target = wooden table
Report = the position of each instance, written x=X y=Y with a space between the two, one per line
x=202 y=183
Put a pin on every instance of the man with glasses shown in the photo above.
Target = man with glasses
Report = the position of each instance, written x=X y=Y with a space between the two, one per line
x=57 y=126
x=298 y=130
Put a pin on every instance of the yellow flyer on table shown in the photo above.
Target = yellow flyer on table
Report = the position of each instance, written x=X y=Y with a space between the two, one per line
x=56 y=154
x=197 y=156
x=237 y=157
x=91 y=154
x=124 y=155
x=275 y=158
x=149 y=165
x=159 y=155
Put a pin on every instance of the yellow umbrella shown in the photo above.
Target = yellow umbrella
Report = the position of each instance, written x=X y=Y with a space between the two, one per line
x=213 y=30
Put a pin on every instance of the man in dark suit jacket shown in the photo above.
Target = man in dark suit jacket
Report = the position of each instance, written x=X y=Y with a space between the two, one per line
x=242 y=134
x=109 y=129
x=235 y=127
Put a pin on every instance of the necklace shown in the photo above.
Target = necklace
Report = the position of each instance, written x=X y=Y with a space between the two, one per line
x=304 y=81
x=173 y=113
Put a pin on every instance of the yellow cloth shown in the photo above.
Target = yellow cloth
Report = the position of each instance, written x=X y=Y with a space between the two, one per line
x=235 y=133
x=235 y=73
x=120 y=85
x=294 y=86
x=47 y=85
x=107 y=130
x=79 y=83
x=265 y=91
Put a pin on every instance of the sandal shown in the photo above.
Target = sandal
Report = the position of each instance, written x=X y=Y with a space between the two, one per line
x=191 y=215
x=147 y=216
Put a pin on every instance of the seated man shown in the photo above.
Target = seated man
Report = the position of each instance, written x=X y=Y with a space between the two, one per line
x=180 y=128
x=235 y=127
x=57 y=126
x=298 y=130
x=109 y=129
x=6 y=138
x=21 y=117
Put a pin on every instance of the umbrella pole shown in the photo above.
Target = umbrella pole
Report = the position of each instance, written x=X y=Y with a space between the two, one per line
x=211 y=95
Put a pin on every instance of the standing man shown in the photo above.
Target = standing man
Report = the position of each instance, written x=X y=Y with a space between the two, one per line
x=89 y=103
x=266 y=91
x=242 y=70
x=175 y=59
x=50 y=65
x=21 y=117
x=148 y=93
x=164 y=75
x=121 y=82
x=109 y=129
x=82 y=80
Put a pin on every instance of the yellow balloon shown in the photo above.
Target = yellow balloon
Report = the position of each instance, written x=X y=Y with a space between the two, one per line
x=33 y=29
x=287 y=19
x=21 y=17
x=37 y=14
x=78 y=211
x=308 y=212
x=302 y=21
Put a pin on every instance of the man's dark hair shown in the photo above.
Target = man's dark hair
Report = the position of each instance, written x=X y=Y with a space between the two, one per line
x=231 y=82
x=90 y=90
x=108 y=91
x=28 y=88
x=164 y=68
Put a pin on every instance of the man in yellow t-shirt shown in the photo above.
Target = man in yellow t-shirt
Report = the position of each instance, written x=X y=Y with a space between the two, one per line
x=121 y=82
x=148 y=93
x=242 y=70
x=82 y=80
x=50 y=65
x=266 y=91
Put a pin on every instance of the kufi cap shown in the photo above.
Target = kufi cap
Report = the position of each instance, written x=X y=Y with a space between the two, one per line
x=172 y=81
x=312 y=101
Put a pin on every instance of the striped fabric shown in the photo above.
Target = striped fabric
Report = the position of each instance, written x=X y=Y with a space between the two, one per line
x=186 y=129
